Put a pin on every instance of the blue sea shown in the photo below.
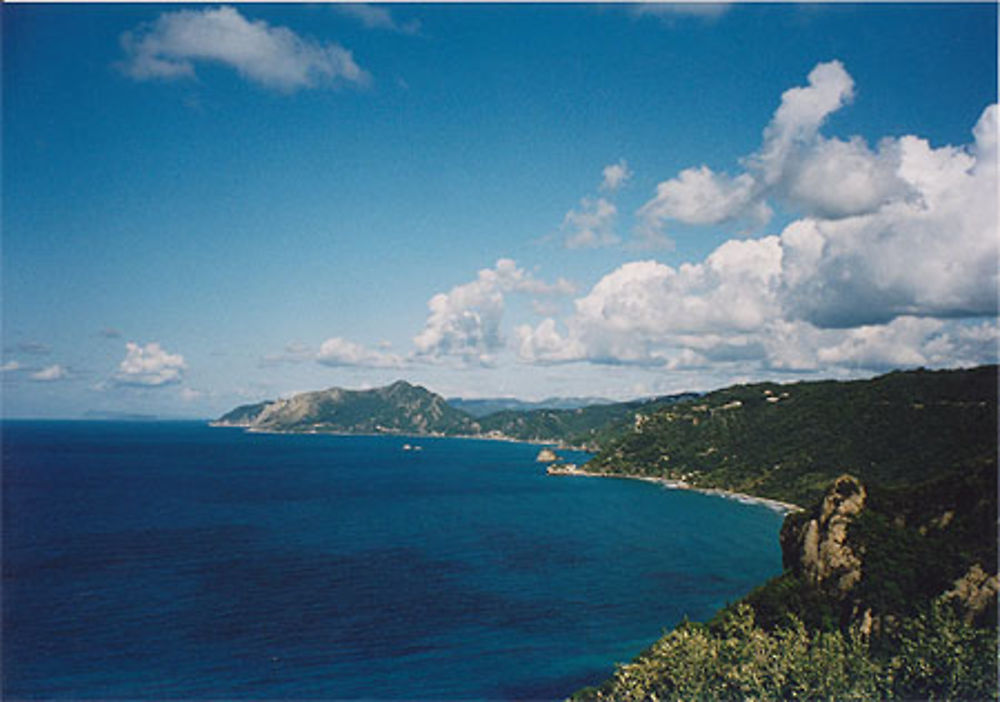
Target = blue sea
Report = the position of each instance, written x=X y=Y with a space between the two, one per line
x=175 y=560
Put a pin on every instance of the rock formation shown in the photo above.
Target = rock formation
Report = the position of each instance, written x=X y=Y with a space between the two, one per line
x=816 y=544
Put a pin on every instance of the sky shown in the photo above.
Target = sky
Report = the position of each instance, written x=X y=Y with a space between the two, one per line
x=214 y=204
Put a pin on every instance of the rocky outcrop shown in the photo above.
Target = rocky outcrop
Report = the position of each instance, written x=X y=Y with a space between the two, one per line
x=546 y=456
x=816 y=544
x=974 y=592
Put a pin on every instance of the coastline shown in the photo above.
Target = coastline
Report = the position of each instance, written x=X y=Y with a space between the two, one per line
x=669 y=484
x=403 y=435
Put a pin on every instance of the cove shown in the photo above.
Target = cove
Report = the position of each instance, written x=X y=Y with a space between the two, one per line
x=154 y=560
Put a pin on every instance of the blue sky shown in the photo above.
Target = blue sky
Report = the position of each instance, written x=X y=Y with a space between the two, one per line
x=206 y=205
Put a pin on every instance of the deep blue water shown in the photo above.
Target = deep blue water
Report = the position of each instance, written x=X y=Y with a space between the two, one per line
x=174 y=560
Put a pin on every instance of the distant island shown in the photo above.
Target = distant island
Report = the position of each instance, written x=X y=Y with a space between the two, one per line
x=890 y=582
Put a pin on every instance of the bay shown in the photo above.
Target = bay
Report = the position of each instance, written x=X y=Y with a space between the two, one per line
x=174 y=560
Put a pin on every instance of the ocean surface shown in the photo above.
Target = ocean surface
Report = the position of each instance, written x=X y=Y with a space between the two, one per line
x=175 y=560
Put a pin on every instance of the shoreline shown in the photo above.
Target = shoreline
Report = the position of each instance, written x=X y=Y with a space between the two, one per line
x=670 y=484
x=555 y=469
x=402 y=435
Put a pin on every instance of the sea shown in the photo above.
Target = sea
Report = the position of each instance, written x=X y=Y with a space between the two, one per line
x=173 y=560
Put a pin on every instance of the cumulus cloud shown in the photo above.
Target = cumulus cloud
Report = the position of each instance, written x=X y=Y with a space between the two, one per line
x=931 y=253
x=795 y=165
x=50 y=373
x=643 y=310
x=338 y=351
x=615 y=176
x=149 y=366
x=701 y=196
x=901 y=229
x=591 y=225
x=465 y=322
x=275 y=57
x=891 y=263
x=377 y=17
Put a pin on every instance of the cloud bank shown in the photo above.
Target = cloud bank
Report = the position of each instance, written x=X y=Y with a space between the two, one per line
x=274 y=57
x=891 y=260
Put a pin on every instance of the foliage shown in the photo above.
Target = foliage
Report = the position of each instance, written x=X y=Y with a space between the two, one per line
x=589 y=426
x=935 y=656
x=788 y=442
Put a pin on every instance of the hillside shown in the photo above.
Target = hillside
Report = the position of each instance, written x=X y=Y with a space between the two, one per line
x=399 y=408
x=481 y=407
x=402 y=408
x=889 y=589
x=585 y=426
x=788 y=442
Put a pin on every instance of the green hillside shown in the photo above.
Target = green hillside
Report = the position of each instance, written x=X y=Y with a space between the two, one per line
x=889 y=589
x=587 y=426
x=402 y=408
x=788 y=442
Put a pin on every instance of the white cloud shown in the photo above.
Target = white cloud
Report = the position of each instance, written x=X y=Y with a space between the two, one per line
x=895 y=286
x=377 y=17
x=50 y=373
x=591 y=225
x=275 y=57
x=932 y=253
x=794 y=164
x=10 y=366
x=642 y=312
x=905 y=229
x=701 y=196
x=149 y=366
x=338 y=351
x=465 y=322
x=615 y=176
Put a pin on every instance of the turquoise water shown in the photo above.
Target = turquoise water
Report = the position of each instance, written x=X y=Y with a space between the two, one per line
x=158 y=560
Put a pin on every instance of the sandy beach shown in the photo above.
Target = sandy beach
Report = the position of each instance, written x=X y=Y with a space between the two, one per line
x=776 y=505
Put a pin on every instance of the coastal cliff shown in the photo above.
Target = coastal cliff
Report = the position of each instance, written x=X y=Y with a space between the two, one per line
x=890 y=580
x=869 y=607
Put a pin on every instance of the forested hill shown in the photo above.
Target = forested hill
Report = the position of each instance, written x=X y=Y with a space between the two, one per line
x=890 y=584
x=402 y=408
x=788 y=442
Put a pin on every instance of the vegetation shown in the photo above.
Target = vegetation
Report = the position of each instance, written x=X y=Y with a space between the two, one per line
x=402 y=408
x=787 y=442
x=935 y=655
x=590 y=426
x=890 y=586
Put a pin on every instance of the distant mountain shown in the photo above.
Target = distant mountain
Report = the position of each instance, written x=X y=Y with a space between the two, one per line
x=486 y=406
x=399 y=408
x=402 y=408
x=589 y=426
